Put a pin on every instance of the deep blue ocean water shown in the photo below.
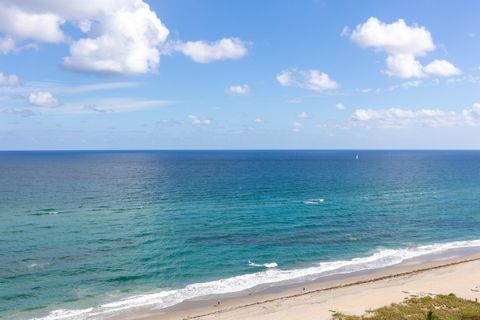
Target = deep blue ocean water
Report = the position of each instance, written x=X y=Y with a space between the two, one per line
x=78 y=229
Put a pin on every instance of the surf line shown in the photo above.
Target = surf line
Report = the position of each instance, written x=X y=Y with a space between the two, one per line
x=345 y=285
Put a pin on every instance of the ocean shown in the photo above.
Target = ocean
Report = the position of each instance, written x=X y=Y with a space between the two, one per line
x=89 y=234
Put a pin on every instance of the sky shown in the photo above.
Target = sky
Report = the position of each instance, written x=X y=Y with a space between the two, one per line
x=215 y=74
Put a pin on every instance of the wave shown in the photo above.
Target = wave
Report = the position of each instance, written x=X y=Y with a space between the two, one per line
x=265 y=265
x=163 y=299
x=314 y=201
x=42 y=212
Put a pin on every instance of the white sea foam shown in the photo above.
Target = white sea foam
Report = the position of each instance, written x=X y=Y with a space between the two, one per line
x=314 y=201
x=163 y=299
x=266 y=265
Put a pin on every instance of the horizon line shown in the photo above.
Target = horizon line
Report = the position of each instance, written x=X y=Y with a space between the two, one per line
x=239 y=149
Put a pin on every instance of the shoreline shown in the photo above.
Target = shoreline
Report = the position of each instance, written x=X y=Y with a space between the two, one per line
x=316 y=296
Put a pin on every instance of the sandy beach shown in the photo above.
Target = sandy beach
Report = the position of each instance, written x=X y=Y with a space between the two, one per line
x=353 y=295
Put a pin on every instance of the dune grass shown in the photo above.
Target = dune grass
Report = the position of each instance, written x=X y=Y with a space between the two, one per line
x=440 y=307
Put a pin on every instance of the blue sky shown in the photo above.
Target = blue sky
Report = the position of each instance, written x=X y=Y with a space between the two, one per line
x=189 y=74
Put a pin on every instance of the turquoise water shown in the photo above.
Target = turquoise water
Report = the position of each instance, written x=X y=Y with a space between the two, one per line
x=79 y=229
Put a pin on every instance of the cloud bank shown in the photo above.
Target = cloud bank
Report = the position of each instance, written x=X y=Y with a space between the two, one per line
x=402 y=118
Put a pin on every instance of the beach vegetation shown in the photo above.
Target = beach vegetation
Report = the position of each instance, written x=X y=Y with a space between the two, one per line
x=440 y=307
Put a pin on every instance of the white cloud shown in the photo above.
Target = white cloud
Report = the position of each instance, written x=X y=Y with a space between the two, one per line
x=340 y=106
x=308 y=79
x=403 y=44
x=303 y=115
x=7 y=45
x=258 y=120
x=116 y=105
x=71 y=10
x=472 y=116
x=105 y=105
x=198 y=121
x=97 y=87
x=128 y=42
x=206 y=52
x=117 y=36
x=21 y=24
x=400 y=118
x=8 y=80
x=441 y=68
x=285 y=78
x=121 y=36
x=469 y=78
x=410 y=84
x=56 y=87
x=394 y=38
x=404 y=66
x=320 y=81
x=241 y=90
x=367 y=90
x=42 y=99
x=405 y=84
x=346 y=31
x=85 y=25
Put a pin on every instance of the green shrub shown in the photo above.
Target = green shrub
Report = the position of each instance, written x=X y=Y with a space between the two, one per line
x=439 y=308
